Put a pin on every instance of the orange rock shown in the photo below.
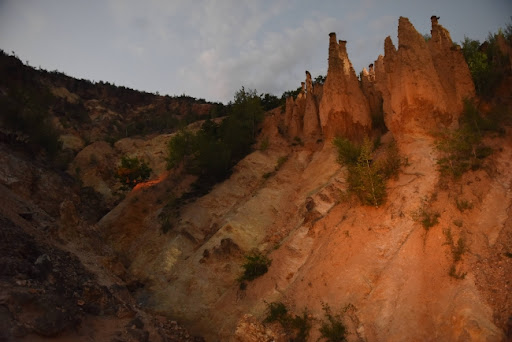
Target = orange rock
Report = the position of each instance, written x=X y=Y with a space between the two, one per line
x=343 y=109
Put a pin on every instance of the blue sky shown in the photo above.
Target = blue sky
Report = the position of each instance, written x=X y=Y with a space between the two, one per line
x=209 y=49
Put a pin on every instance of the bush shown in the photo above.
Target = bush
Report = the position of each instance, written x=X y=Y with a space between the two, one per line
x=277 y=312
x=214 y=149
x=332 y=330
x=457 y=249
x=367 y=177
x=132 y=171
x=301 y=326
x=462 y=149
x=264 y=144
x=348 y=152
x=486 y=63
x=463 y=205
x=298 y=327
x=256 y=265
x=428 y=218
x=454 y=274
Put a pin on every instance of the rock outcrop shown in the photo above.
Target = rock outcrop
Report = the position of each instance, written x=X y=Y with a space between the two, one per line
x=311 y=126
x=373 y=95
x=301 y=115
x=343 y=109
x=298 y=108
x=423 y=84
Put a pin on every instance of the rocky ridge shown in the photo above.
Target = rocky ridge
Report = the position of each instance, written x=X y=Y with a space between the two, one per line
x=389 y=275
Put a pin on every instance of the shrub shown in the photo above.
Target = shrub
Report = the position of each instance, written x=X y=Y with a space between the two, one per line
x=454 y=274
x=297 y=141
x=463 y=205
x=264 y=144
x=132 y=171
x=486 y=64
x=277 y=312
x=462 y=149
x=348 y=152
x=215 y=148
x=298 y=327
x=256 y=265
x=457 y=249
x=302 y=326
x=179 y=146
x=428 y=218
x=332 y=330
x=280 y=162
x=367 y=177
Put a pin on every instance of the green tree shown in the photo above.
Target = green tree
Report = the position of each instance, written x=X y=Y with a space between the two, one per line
x=367 y=177
x=269 y=101
x=132 y=171
x=179 y=146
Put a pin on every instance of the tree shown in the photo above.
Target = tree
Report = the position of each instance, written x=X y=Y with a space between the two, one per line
x=132 y=171
x=367 y=178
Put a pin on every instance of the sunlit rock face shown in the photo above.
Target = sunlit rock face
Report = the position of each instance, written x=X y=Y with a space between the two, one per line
x=343 y=109
x=311 y=127
x=423 y=84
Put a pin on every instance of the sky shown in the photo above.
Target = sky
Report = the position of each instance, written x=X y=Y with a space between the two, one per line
x=211 y=48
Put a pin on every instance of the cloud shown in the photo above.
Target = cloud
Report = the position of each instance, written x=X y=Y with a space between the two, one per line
x=254 y=57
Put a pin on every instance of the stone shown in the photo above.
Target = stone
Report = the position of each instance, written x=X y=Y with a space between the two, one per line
x=311 y=126
x=343 y=109
x=422 y=84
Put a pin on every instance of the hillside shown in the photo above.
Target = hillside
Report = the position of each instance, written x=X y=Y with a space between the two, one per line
x=378 y=207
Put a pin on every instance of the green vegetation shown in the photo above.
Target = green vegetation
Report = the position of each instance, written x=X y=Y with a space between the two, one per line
x=264 y=144
x=215 y=148
x=279 y=164
x=367 y=177
x=132 y=171
x=427 y=218
x=301 y=326
x=256 y=264
x=462 y=149
x=333 y=329
x=320 y=79
x=454 y=274
x=463 y=205
x=277 y=312
x=487 y=63
x=26 y=109
x=457 y=250
x=298 y=327
x=297 y=141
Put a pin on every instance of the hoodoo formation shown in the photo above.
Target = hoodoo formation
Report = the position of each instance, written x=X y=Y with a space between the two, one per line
x=349 y=210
